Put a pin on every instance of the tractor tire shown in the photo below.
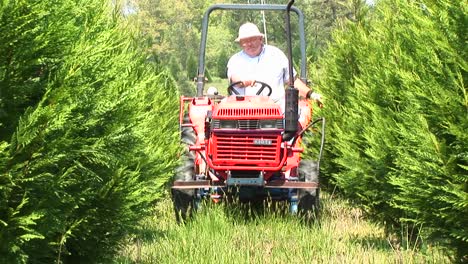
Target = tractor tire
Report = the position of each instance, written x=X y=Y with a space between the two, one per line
x=184 y=200
x=309 y=199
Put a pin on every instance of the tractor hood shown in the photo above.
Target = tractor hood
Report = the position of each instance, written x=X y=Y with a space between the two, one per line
x=247 y=107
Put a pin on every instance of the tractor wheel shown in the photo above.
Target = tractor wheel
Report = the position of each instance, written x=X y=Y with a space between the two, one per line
x=184 y=200
x=308 y=199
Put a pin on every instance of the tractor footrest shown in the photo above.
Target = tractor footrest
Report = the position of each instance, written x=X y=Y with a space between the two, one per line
x=195 y=184
x=291 y=184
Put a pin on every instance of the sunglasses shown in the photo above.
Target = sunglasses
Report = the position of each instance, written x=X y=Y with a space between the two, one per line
x=249 y=41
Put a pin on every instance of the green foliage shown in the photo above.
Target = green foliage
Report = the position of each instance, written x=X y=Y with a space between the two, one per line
x=85 y=161
x=322 y=17
x=397 y=112
x=28 y=55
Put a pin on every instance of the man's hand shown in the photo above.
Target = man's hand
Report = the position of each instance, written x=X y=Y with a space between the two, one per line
x=247 y=83
x=316 y=97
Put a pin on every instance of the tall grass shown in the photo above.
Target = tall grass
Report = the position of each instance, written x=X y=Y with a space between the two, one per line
x=236 y=233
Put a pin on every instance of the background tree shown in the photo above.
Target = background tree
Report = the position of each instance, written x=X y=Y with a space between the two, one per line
x=172 y=28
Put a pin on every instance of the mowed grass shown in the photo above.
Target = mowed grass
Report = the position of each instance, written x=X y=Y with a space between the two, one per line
x=222 y=233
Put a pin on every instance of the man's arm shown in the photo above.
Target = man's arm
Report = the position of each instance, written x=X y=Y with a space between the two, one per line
x=306 y=92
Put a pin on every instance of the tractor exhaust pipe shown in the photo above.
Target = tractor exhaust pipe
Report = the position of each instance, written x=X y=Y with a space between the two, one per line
x=291 y=114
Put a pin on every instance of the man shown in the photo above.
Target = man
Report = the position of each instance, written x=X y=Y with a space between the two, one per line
x=261 y=62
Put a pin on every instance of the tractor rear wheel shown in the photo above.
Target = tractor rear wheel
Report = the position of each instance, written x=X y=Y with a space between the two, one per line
x=184 y=199
x=308 y=199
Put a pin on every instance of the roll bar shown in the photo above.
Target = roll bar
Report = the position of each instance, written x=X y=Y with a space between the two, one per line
x=201 y=59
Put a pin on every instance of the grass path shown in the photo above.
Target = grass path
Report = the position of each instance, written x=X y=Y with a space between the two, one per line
x=228 y=234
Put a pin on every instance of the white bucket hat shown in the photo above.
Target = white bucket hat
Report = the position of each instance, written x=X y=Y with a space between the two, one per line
x=248 y=30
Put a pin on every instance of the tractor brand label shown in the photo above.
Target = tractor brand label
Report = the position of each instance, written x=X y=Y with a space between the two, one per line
x=262 y=142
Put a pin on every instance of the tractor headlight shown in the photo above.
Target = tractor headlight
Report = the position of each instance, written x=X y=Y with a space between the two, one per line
x=271 y=124
x=228 y=124
x=267 y=124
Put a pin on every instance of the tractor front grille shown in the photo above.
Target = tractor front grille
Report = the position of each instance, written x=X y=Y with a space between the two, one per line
x=248 y=124
x=246 y=149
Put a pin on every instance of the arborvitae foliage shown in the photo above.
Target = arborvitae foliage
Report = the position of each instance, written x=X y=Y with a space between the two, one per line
x=32 y=35
x=90 y=153
x=395 y=83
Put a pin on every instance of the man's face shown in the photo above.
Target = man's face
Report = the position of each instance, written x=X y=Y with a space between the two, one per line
x=252 y=46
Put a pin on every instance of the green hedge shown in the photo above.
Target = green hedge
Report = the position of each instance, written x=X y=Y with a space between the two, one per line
x=88 y=128
x=397 y=109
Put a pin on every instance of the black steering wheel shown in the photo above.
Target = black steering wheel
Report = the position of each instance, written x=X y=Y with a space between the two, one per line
x=232 y=91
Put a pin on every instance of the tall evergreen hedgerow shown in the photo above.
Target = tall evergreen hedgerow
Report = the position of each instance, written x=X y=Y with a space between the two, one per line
x=84 y=161
x=398 y=115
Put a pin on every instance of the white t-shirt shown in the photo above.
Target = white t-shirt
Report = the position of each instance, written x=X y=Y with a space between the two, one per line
x=270 y=66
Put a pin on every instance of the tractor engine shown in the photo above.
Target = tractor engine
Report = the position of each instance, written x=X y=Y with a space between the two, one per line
x=246 y=138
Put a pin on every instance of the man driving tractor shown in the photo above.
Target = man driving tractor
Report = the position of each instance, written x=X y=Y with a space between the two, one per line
x=262 y=62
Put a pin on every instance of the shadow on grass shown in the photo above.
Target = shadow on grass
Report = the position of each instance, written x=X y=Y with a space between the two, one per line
x=249 y=210
x=371 y=243
x=147 y=235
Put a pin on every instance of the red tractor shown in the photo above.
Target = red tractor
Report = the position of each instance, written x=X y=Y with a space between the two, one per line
x=245 y=144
